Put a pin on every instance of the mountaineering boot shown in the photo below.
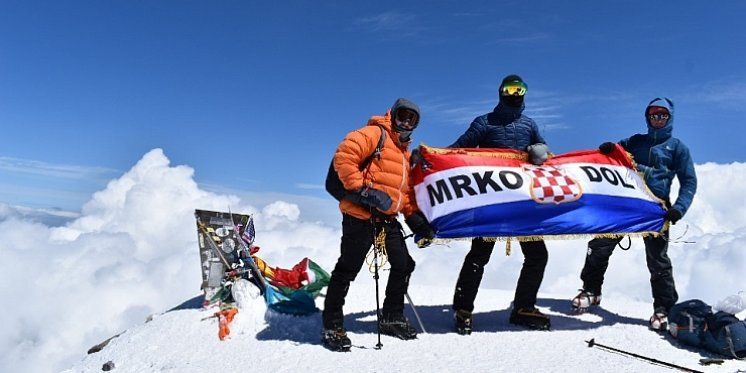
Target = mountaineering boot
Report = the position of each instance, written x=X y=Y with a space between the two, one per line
x=396 y=325
x=659 y=321
x=336 y=339
x=530 y=318
x=463 y=322
x=584 y=300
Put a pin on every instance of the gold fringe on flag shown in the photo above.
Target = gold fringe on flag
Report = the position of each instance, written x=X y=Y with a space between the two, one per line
x=550 y=237
x=493 y=153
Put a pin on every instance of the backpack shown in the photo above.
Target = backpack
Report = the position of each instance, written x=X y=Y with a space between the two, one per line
x=693 y=323
x=334 y=185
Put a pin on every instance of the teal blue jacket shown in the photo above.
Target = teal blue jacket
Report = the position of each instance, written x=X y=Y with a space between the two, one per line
x=661 y=157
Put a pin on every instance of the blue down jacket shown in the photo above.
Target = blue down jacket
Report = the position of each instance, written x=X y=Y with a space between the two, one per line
x=504 y=127
x=660 y=157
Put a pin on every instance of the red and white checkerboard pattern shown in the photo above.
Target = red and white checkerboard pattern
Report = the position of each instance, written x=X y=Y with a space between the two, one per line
x=550 y=185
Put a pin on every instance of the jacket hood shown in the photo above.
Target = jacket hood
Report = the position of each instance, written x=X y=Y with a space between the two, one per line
x=667 y=130
x=403 y=103
x=383 y=121
x=404 y=134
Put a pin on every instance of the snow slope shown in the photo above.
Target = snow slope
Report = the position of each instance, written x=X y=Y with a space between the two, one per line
x=178 y=341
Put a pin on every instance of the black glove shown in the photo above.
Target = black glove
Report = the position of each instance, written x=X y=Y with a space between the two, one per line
x=371 y=197
x=673 y=215
x=607 y=147
x=416 y=159
x=423 y=231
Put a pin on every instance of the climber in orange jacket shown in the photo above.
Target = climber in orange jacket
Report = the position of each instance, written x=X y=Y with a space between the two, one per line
x=375 y=195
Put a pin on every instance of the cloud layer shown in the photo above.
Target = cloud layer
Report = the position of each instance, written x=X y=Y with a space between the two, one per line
x=133 y=252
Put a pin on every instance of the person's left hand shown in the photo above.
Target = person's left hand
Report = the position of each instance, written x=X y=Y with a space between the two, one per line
x=606 y=148
x=673 y=215
x=416 y=159
x=423 y=231
x=538 y=153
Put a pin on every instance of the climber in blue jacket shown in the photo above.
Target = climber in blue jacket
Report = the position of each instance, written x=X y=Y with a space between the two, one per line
x=660 y=157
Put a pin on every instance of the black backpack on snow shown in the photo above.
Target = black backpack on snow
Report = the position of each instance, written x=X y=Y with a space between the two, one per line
x=693 y=323
x=334 y=185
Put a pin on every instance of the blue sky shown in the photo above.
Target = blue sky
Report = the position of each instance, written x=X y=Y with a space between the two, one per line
x=256 y=96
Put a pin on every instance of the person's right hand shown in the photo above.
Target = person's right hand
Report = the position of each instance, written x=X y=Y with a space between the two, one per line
x=607 y=147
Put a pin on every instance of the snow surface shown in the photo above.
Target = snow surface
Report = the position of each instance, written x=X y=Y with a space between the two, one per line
x=132 y=252
x=178 y=341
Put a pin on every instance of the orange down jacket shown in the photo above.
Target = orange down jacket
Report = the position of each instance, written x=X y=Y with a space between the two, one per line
x=388 y=173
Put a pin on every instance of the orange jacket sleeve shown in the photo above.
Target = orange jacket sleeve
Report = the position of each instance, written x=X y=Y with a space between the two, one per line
x=356 y=146
x=409 y=205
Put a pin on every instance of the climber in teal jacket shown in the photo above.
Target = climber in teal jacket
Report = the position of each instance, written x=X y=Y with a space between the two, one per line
x=660 y=157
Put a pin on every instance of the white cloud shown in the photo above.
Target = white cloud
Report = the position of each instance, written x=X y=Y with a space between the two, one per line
x=309 y=186
x=728 y=94
x=451 y=111
x=394 y=25
x=32 y=167
x=51 y=217
x=538 y=36
x=387 y=21
x=720 y=203
x=545 y=108
x=133 y=252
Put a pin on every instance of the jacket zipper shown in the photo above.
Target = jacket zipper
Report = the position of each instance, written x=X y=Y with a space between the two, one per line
x=650 y=155
x=403 y=180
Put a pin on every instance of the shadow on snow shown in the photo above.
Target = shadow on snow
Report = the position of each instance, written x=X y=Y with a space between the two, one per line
x=437 y=319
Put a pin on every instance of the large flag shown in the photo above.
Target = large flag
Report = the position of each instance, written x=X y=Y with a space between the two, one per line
x=496 y=193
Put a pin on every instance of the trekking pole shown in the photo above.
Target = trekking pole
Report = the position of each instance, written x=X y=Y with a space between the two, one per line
x=378 y=307
x=592 y=343
x=416 y=314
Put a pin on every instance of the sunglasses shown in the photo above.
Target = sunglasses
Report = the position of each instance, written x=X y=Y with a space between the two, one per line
x=406 y=119
x=514 y=89
x=659 y=116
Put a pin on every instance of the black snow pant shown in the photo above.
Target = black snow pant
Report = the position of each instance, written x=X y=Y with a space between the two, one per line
x=535 y=260
x=659 y=265
x=357 y=239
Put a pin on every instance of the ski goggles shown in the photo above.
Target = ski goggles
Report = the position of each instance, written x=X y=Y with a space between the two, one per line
x=658 y=116
x=658 y=113
x=406 y=119
x=514 y=89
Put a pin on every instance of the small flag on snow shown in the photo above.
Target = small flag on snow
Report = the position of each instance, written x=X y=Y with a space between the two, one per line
x=249 y=233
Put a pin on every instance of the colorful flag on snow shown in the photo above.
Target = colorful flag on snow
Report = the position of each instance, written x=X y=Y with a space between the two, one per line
x=293 y=290
x=496 y=193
